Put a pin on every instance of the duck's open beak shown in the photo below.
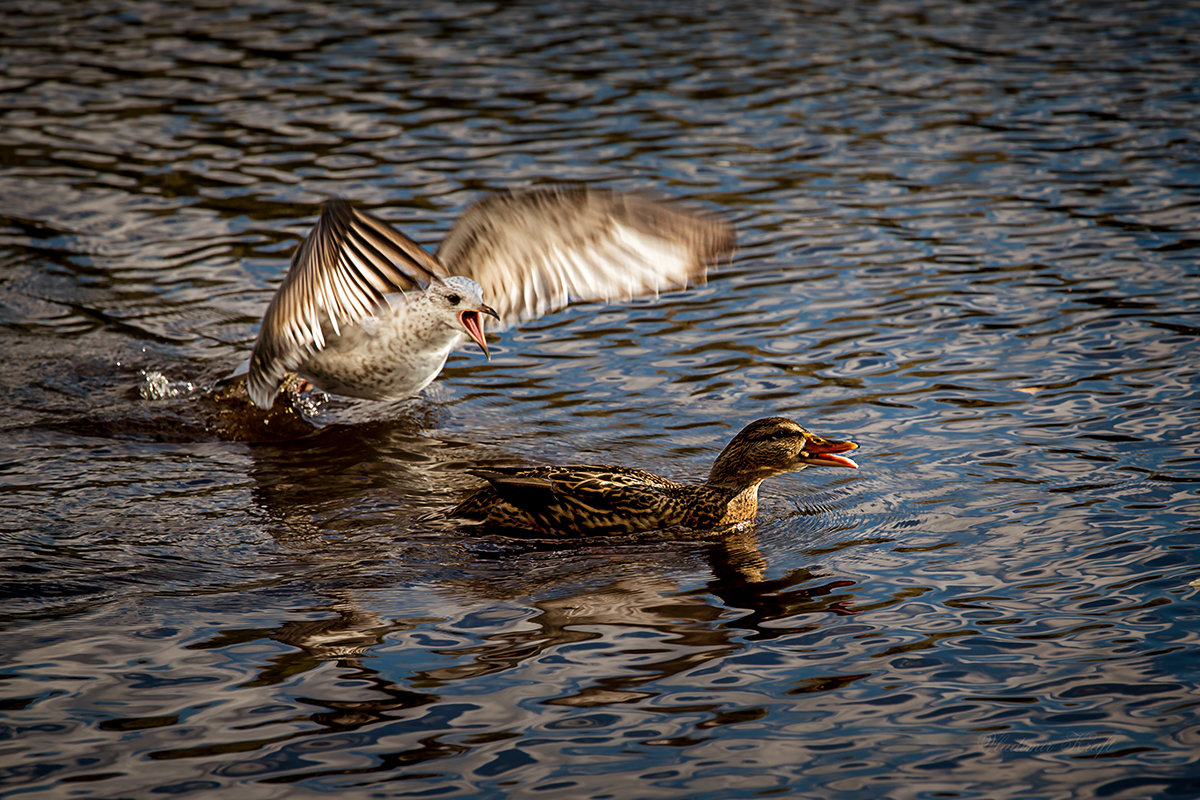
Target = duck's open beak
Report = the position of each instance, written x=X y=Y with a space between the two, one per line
x=819 y=452
x=472 y=321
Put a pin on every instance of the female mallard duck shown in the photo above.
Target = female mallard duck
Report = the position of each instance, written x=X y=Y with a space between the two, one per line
x=580 y=500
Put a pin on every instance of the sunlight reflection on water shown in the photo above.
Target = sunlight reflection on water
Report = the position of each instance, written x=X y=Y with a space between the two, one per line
x=966 y=239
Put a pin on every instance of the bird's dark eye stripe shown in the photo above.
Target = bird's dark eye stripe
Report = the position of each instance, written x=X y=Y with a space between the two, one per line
x=777 y=433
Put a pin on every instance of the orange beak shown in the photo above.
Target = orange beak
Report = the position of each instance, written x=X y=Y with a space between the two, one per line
x=823 y=453
x=472 y=322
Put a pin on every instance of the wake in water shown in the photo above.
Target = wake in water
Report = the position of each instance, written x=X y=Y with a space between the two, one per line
x=225 y=410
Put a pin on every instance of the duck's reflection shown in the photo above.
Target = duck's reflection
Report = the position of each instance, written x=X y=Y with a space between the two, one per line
x=671 y=630
x=599 y=622
x=740 y=580
x=419 y=686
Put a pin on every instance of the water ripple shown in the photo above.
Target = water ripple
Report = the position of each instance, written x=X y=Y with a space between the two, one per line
x=966 y=239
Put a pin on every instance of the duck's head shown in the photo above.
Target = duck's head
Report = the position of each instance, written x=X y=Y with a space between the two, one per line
x=774 y=445
x=461 y=300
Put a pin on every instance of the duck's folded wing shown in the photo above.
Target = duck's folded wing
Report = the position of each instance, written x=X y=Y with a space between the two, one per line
x=340 y=274
x=584 y=489
x=536 y=251
x=628 y=495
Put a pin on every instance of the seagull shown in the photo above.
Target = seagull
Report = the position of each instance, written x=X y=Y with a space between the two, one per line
x=366 y=312
x=581 y=500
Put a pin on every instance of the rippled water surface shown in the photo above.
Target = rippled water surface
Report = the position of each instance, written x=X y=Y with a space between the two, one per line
x=969 y=238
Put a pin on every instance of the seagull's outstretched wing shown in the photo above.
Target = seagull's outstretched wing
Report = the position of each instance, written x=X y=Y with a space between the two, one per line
x=536 y=251
x=339 y=275
x=532 y=252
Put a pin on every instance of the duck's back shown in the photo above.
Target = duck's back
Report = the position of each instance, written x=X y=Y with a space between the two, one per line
x=574 y=500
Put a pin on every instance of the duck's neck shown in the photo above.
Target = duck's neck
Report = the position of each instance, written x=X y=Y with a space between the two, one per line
x=742 y=504
x=732 y=487
x=719 y=505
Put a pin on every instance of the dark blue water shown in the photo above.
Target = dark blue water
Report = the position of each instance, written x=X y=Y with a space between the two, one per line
x=969 y=238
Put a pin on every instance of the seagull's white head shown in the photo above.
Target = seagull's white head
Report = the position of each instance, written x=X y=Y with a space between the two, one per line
x=461 y=300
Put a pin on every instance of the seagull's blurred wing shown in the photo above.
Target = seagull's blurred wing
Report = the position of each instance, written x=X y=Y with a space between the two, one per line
x=536 y=251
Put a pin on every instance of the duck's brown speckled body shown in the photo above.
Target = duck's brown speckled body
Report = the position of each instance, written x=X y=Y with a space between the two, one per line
x=585 y=499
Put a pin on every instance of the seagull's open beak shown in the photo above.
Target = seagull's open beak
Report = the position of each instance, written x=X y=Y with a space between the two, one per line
x=472 y=322
x=820 y=452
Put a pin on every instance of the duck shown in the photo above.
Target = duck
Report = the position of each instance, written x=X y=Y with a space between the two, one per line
x=582 y=500
x=366 y=312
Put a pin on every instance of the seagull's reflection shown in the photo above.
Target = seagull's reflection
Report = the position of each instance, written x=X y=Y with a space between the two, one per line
x=348 y=472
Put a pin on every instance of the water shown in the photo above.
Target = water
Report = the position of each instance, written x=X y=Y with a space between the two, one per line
x=968 y=239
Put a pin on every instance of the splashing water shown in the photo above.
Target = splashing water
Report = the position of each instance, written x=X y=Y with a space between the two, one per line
x=157 y=386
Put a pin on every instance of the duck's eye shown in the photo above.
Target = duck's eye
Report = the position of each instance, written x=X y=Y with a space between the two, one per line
x=453 y=299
